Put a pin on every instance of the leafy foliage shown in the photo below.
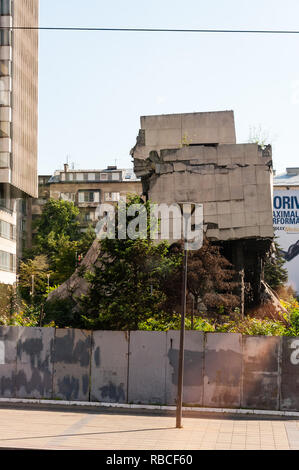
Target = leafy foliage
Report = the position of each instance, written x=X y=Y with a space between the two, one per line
x=253 y=327
x=292 y=307
x=275 y=274
x=62 y=313
x=58 y=237
x=127 y=287
x=7 y=296
x=39 y=268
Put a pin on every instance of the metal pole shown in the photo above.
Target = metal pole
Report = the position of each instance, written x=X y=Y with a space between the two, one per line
x=182 y=340
x=32 y=286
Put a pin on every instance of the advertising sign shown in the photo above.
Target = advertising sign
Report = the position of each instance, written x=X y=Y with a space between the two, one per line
x=286 y=229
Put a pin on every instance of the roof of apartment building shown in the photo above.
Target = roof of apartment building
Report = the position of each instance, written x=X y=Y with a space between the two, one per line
x=92 y=175
x=289 y=178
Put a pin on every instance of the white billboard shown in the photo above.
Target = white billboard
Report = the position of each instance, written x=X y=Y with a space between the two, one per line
x=286 y=229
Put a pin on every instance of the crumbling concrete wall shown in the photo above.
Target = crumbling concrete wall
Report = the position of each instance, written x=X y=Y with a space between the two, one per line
x=221 y=370
x=194 y=158
x=171 y=131
x=233 y=182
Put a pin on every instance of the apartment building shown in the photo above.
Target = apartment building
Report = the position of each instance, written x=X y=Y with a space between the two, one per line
x=86 y=189
x=18 y=126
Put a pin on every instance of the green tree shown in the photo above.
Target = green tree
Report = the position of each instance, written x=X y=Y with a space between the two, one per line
x=7 y=302
x=59 y=217
x=125 y=288
x=33 y=279
x=58 y=236
x=275 y=273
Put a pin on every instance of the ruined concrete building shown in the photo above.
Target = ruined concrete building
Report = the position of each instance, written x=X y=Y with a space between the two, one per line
x=195 y=158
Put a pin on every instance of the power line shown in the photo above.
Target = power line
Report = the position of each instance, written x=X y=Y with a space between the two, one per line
x=154 y=30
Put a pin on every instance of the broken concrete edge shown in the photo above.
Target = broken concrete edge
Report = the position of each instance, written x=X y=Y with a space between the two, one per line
x=198 y=409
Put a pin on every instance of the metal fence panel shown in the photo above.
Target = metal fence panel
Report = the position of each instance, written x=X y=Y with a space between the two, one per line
x=261 y=372
x=223 y=370
x=147 y=367
x=193 y=367
x=8 y=361
x=109 y=366
x=35 y=363
x=72 y=353
x=290 y=374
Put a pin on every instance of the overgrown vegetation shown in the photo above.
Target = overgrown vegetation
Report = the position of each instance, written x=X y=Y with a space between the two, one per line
x=276 y=275
x=136 y=285
x=57 y=237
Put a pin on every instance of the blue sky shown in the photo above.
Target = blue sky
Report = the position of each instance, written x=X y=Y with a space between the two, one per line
x=94 y=86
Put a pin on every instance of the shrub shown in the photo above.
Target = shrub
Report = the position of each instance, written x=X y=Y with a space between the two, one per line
x=253 y=327
x=293 y=317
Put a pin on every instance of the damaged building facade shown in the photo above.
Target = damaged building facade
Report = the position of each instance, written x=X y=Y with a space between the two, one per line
x=194 y=158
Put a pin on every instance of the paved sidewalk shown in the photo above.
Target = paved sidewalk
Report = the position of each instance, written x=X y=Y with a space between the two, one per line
x=44 y=428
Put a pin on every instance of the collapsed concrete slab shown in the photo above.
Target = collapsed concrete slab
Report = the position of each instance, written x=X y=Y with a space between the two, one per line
x=194 y=158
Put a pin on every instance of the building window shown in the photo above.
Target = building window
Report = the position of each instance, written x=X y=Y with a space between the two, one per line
x=42 y=180
x=115 y=176
x=5 y=7
x=7 y=230
x=91 y=176
x=6 y=202
x=89 y=196
x=69 y=176
x=5 y=68
x=5 y=129
x=112 y=197
x=104 y=176
x=5 y=37
x=7 y=261
x=71 y=197
x=5 y=98
x=80 y=177
x=88 y=216
x=4 y=160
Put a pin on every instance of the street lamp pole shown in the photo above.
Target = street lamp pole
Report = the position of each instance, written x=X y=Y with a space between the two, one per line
x=182 y=341
x=182 y=332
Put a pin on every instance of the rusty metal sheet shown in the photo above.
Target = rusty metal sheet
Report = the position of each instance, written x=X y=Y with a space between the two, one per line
x=223 y=370
x=147 y=367
x=290 y=374
x=261 y=372
x=35 y=363
x=8 y=360
x=72 y=353
x=193 y=367
x=109 y=366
